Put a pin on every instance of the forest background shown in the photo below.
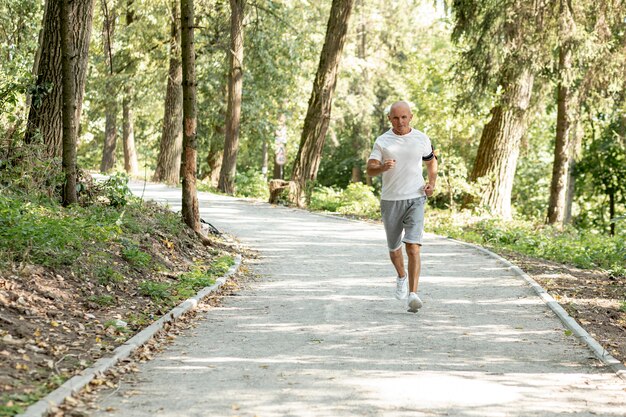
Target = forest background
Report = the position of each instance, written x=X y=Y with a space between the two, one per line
x=523 y=100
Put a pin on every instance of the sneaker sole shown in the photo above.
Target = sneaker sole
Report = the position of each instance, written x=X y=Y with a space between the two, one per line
x=414 y=308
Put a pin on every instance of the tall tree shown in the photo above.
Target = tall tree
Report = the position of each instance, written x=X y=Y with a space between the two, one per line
x=235 y=86
x=111 y=106
x=498 y=150
x=131 y=165
x=503 y=44
x=69 y=105
x=44 y=119
x=168 y=163
x=567 y=109
x=190 y=209
x=320 y=103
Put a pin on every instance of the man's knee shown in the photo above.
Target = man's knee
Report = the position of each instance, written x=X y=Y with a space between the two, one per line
x=413 y=248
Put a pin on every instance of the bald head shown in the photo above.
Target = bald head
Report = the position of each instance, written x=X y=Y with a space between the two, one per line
x=400 y=116
x=400 y=105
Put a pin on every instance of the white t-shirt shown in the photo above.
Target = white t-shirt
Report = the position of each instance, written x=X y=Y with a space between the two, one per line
x=406 y=179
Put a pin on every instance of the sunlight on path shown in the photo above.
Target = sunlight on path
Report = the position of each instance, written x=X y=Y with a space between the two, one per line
x=319 y=334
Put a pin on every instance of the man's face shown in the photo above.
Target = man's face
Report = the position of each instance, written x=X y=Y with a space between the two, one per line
x=400 y=116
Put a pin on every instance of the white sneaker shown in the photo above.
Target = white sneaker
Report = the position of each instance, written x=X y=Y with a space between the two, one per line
x=402 y=289
x=414 y=303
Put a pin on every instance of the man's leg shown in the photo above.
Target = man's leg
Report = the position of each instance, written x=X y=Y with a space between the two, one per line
x=398 y=261
x=413 y=253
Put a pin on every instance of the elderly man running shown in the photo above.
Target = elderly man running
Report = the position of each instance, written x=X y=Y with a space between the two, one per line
x=398 y=155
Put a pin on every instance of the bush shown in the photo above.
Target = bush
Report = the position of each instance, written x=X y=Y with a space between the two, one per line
x=356 y=200
x=580 y=248
x=325 y=199
x=359 y=200
x=252 y=184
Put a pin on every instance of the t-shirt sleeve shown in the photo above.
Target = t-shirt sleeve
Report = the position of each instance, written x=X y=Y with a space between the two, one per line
x=429 y=151
x=377 y=152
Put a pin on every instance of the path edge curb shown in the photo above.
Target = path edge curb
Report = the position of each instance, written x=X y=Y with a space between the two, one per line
x=73 y=385
x=598 y=350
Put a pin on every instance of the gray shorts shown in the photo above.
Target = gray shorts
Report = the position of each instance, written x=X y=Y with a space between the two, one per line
x=399 y=215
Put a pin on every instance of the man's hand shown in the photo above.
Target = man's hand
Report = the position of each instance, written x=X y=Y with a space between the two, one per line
x=388 y=164
x=429 y=189
x=375 y=167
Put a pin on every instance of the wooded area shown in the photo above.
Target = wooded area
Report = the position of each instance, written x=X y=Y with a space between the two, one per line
x=523 y=100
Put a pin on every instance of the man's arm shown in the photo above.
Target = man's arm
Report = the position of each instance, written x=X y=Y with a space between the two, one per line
x=375 y=167
x=431 y=170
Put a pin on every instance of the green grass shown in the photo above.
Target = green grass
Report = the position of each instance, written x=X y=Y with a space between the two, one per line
x=188 y=283
x=583 y=249
x=42 y=233
x=102 y=300
x=157 y=291
x=134 y=255
x=107 y=275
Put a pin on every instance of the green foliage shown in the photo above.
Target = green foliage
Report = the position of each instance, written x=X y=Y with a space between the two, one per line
x=359 y=200
x=115 y=189
x=325 y=199
x=252 y=184
x=134 y=255
x=102 y=300
x=356 y=200
x=43 y=233
x=220 y=265
x=601 y=177
x=107 y=275
x=452 y=183
x=189 y=283
x=28 y=170
x=583 y=249
x=157 y=291
x=19 y=26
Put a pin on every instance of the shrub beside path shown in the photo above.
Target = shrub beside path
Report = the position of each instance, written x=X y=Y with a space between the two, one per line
x=320 y=334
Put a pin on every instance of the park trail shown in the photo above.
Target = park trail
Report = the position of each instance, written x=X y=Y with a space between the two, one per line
x=320 y=334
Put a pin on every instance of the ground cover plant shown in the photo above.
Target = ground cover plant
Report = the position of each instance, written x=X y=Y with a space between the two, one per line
x=77 y=282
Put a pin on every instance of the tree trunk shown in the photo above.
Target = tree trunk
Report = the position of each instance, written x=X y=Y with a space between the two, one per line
x=131 y=164
x=498 y=150
x=264 y=157
x=233 y=112
x=168 y=163
x=611 y=193
x=567 y=104
x=45 y=122
x=216 y=156
x=190 y=209
x=360 y=130
x=69 y=105
x=111 y=106
x=320 y=103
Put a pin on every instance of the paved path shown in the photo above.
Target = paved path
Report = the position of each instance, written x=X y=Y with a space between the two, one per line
x=321 y=335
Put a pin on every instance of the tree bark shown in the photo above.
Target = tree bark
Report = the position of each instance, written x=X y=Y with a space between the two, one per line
x=168 y=163
x=235 y=86
x=567 y=109
x=69 y=106
x=45 y=122
x=190 y=209
x=111 y=105
x=131 y=164
x=320 y=103
x=498 y=150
